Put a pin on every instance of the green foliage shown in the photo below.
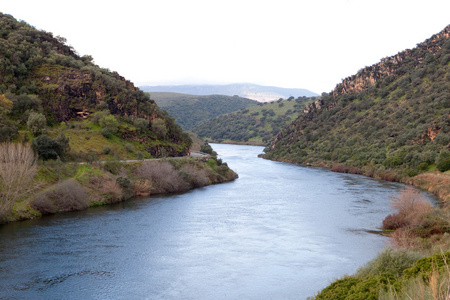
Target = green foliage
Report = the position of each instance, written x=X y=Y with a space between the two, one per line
x=206 y=148
x=37 y=123
x=389 y=261
x=399 y=122
x=259 y=124
x=425 y=266
x=141 y=124
x=159 y=127
x=8 y=130
x=41 y=74
x=109 y=123
x=47 y=148
x=189 y=110
x=338 y=290
x=443 y=161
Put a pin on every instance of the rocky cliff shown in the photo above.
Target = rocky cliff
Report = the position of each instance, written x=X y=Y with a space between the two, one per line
x=392 y=66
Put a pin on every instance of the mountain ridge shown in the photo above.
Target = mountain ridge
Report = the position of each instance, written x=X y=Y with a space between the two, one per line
x=246 y=90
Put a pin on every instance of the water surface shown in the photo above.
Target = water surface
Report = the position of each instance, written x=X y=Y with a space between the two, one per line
x=280 y=231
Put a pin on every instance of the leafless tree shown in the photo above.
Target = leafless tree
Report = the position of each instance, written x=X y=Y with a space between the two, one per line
x=17 y=170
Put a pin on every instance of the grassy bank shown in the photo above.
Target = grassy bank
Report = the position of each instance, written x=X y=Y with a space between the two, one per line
x=61 y=187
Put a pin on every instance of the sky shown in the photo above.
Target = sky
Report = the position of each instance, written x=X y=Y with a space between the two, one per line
x=285 y=43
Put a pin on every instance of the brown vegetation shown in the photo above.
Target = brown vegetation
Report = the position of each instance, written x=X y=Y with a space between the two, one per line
x=68 y=195
x=163 y=176
x=415 y=220
x=17 y=170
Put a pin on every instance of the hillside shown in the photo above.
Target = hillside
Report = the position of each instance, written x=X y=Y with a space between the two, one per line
x=188 y=110
x=245 y=90
x=392 y=115
x=43 y=79
x=253 y=125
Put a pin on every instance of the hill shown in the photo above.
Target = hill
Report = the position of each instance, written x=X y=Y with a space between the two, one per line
x=252 y=125
x=391 y=115
x=188 y=110
x=246 y=90
x=72 y=110
x=41 y=78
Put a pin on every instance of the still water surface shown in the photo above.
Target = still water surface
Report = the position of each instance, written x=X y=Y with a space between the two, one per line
x=280 y=231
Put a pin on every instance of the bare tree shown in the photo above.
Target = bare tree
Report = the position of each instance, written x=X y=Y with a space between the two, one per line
x=17 y=170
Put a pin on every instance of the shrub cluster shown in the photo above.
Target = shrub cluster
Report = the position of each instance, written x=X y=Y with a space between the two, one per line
x=68 y=195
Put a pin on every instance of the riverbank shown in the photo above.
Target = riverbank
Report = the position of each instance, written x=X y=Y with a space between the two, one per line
x=63 y=187
x=435 y=182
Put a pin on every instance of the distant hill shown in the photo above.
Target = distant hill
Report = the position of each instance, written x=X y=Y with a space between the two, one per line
x=391 y=115
x=246 y=90
x=189 y=110
x=252 y=125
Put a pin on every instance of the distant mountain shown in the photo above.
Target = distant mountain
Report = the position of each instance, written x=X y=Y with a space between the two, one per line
x=189 y=110
x=246 y=90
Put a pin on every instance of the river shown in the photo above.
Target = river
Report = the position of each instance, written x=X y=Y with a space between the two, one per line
x=280 y=231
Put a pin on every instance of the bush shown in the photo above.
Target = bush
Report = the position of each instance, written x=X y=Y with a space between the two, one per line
x=47 y=148
x=412 y=209
x=107 y=133
x=68 y=195
x=37 y=123
x=389 y=261
x=443 y=161
x=196 y=176
x=163 y=176
x=110 y=123
x=113 y=166
x=141 y=124
x=111 y=190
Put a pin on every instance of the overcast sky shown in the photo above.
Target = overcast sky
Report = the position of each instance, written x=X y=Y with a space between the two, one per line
x=297 y=44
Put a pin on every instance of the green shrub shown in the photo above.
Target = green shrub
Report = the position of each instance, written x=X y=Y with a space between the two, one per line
x=109 y=123
x=338 y=290
x=443 y=161
x=389 y=261
x=37 y=123
x=47 y=148
x=425 y=266
x=113 y=166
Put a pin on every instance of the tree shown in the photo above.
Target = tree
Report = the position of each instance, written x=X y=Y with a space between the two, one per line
x=159 y=127
x=110 y=123
x=37 y=123
x=141 y=124
x=47 y=148
x=17 y=170
x=5 y=105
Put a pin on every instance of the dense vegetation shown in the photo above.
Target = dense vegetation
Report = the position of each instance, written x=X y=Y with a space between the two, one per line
x=189 y=110
x=393 y=115
x=58 y=107
x=46 y=86
x=256 y=124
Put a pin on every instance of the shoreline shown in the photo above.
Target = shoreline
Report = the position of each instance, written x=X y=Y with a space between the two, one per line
x=101 y=184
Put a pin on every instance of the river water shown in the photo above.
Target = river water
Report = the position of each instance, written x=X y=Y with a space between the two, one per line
x=280 y=231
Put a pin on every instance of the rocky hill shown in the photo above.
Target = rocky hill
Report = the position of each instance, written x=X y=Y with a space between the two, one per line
x=40 y=74
x=392 y=115
x=245 y=90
